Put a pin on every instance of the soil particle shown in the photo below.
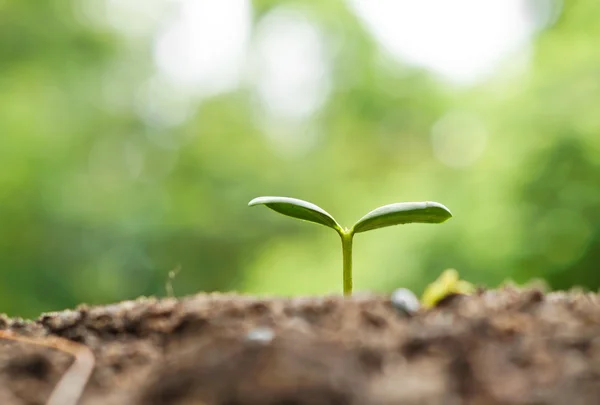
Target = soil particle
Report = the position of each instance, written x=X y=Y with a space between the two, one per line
x=233 y=370
x=497 y=347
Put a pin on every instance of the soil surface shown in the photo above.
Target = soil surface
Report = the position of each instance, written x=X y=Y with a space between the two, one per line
x=497 y=347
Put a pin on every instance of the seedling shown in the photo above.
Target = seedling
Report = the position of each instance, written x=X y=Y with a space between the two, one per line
x=448 y=283
x=388 y=215
x=169 y=284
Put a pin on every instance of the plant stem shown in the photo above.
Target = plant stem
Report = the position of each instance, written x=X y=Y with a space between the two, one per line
x=347 y=258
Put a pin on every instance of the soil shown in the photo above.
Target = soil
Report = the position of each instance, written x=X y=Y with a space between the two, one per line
x=496 y=347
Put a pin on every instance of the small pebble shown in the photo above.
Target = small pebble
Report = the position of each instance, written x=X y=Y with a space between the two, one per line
x=405 y=300
x=260 y=335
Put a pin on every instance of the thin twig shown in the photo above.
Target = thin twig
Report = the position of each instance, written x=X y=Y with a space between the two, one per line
x=171 y=277
x=69 y=388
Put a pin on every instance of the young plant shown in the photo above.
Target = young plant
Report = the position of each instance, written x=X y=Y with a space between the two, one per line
x=388 y=215
x=448 y=283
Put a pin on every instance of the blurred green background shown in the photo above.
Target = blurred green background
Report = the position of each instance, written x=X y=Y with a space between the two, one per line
x=134 y=133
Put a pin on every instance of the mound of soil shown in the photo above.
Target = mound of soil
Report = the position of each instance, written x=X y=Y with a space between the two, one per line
x=496 y=347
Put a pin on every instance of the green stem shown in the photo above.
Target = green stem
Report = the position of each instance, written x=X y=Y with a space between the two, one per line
x=347 y=255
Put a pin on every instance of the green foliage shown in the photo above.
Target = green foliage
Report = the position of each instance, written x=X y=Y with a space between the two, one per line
x=388 y=215
x=446 y=284
x=110 y=178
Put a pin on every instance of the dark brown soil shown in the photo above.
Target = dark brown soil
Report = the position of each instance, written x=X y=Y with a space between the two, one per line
x=497 y=347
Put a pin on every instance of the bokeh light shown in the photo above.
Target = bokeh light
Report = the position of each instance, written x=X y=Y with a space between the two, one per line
x=133 y=134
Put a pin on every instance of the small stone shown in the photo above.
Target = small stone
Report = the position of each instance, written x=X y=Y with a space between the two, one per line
x=405 y=301
x=260 y=335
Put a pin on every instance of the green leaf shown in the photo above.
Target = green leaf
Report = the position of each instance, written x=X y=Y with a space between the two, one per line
x=403 y=213
x=299 y=209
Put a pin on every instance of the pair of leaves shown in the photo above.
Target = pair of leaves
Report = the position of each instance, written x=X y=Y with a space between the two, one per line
x=388 y=215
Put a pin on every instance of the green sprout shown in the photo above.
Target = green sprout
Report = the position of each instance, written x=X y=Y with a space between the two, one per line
x=447 y=284
x=388 y=215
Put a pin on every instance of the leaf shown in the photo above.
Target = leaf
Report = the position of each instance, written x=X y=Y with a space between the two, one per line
x=403 y=213
x=440 y=288
x=447 y=283
x=299 y=209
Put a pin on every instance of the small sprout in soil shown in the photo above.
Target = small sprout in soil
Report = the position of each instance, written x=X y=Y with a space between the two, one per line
x=405 y=301
x=388 y=215
x=260 y=335
x=169 y=284
x=447 y=284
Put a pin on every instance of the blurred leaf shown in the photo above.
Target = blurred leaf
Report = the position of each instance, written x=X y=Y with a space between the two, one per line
x=447 y=283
